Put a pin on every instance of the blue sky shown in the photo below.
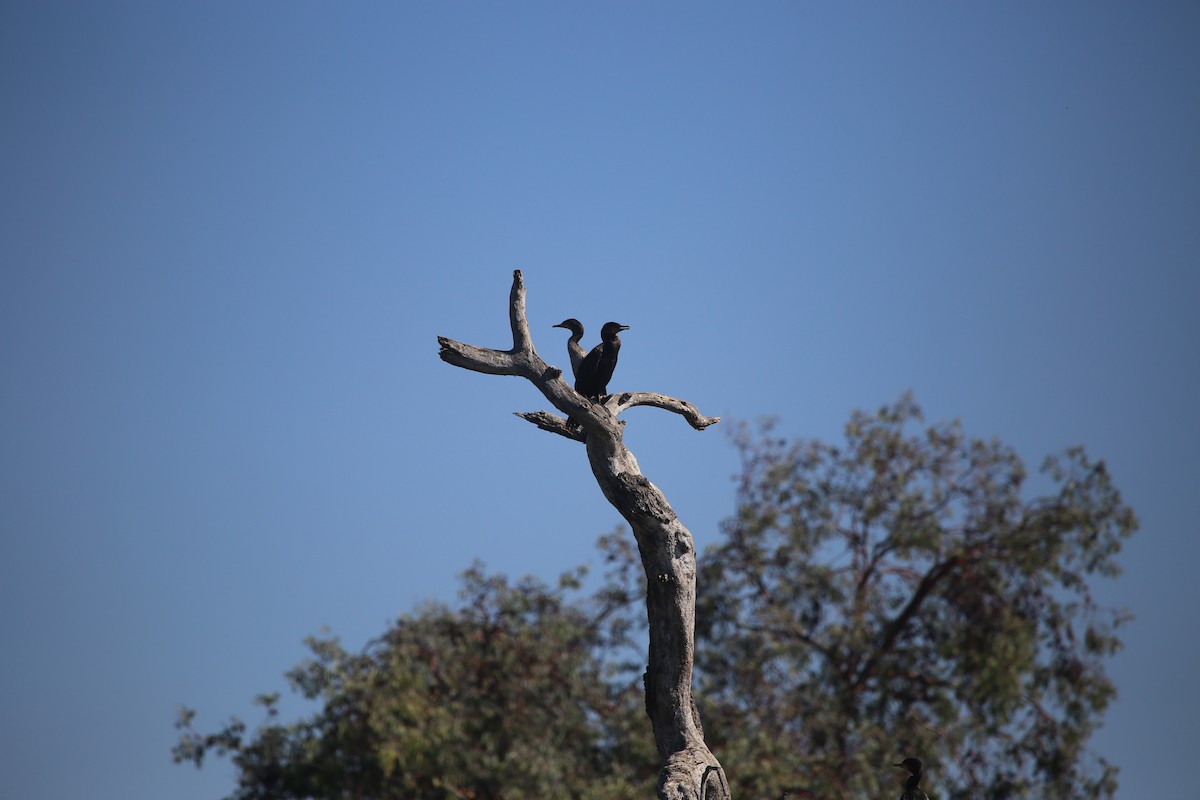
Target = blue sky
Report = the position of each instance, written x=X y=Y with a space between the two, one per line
x=231 y=233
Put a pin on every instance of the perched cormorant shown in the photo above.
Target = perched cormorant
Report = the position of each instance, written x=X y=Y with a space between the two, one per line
x=912 y=791
x=574 y=348
x=593 y=375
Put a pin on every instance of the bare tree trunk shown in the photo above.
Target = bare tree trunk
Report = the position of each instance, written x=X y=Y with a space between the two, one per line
x=690 y=771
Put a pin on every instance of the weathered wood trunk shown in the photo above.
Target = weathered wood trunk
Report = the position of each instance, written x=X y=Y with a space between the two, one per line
x=690 y=771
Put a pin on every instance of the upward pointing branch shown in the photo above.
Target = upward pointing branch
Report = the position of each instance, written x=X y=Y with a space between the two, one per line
x=522 y=342
x=497 y=362
x=690 y=771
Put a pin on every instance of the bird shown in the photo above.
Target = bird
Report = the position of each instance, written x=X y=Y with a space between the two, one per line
x=574 y=348
x=912 y=791
x=594 y=373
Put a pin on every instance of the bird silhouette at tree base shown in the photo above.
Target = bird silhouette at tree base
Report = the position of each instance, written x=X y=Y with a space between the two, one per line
x=912 y=789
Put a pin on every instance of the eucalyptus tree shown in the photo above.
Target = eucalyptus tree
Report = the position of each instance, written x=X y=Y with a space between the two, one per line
x=906 y=594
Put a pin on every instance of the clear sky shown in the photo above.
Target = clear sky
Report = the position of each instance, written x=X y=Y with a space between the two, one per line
x=230 y=233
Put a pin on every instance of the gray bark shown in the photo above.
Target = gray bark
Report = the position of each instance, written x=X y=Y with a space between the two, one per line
x=690 y=771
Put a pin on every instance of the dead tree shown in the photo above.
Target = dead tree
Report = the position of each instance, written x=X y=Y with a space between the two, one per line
x=690 y=771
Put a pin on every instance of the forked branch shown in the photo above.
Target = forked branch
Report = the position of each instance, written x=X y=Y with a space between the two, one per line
x=690 y=771
x=523 y=361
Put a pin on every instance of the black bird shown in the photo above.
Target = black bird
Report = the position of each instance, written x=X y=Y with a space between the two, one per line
x=574 y=348
x=912 y=790
x=593 y=375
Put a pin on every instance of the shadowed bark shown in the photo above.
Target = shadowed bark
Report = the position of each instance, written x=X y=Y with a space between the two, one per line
x=690 y=771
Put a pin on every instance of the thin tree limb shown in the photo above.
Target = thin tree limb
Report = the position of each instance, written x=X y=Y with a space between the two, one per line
x=627 y=400
x=934 y=576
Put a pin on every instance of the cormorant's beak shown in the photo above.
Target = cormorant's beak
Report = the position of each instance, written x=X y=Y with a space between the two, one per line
x=624 y=327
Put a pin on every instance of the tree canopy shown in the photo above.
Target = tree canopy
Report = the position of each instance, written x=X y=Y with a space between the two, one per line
x=903 y=593
x=899 y=595
x=508 y=696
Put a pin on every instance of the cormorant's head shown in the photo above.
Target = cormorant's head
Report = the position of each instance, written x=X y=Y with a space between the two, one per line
x=913 y=765
x=573 y=325
x=611 y=329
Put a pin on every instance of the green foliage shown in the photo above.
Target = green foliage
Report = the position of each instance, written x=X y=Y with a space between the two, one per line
x=898 y=595
x=507 y=696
